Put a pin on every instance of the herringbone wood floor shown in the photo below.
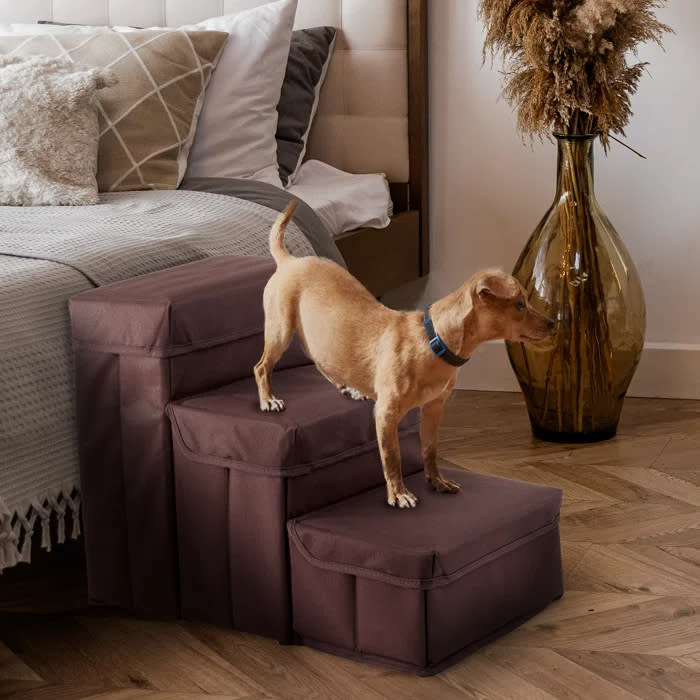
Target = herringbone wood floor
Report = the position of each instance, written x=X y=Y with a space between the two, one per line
x=627 y=626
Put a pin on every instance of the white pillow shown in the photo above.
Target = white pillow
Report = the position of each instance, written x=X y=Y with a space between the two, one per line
x=235 y=134
x=343 y=201
x=236 y=130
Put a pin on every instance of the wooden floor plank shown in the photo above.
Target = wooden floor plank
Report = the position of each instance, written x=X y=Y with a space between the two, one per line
x=578 y=604
x=12 y=668
x=625 y=450
x=636 y=569
x=481 y=676
x=57 y=648
x=689 y=474
x=163 y=656
x=627 y=626
x=285 y=672
x=572 y=554
x=52 y=691
x=534 y=473
x=682 y=452
x=393 y=685
x=556 y=675
x=659 y=481
x=631 y=522
x=135 y=694
x=664 y=625
x=651 y=677
x=608 y=484
x=692 y=661
x=77 y=692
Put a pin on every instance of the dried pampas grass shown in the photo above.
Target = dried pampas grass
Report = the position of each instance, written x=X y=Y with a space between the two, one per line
x=566 y=61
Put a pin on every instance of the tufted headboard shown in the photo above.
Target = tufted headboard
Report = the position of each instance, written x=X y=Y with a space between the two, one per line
x=372 y=115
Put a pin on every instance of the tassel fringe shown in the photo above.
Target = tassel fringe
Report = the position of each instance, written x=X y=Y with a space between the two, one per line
x=17 y=528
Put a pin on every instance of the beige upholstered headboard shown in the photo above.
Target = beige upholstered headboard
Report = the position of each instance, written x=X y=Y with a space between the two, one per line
x=362 y=120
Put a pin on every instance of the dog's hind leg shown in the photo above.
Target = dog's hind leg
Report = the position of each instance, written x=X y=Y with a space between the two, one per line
x=278 y=334
x=387 y=419
x=431 y=415
x=344 y=389
x=351 y=393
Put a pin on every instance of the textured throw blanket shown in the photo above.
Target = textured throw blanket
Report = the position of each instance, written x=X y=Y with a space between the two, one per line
x=48 y=254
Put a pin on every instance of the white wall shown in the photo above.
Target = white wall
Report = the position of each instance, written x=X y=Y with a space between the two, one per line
x=488 y=190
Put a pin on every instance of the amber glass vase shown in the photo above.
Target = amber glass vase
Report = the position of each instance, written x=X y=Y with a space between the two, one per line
x=577 y=271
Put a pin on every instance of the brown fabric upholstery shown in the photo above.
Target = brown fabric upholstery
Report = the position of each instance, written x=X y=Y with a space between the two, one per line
x=175 y=311
x=414 y=589
x=319 y=425
x=240 y=474
x=138 y=345
x=434 y=542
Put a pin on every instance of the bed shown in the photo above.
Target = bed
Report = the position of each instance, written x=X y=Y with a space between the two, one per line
x=372 y=117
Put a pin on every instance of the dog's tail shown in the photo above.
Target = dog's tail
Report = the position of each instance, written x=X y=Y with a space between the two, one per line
x=279 y=252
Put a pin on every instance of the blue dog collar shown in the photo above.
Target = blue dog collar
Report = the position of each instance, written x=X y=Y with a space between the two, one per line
x=438 y=346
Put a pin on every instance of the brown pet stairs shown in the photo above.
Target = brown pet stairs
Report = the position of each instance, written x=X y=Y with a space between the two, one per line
x=197 y=505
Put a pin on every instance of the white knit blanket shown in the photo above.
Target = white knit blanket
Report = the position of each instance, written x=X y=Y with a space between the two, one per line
x=47 y=254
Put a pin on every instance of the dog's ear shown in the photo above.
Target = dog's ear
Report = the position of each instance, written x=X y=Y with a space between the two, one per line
x=495 y=285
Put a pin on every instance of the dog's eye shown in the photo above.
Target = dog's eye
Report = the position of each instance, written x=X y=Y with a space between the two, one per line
x=520 y=305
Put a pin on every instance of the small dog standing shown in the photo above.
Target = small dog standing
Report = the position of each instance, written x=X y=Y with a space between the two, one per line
x=399 y=359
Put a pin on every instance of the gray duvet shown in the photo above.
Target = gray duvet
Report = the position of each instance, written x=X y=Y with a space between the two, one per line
x=47 y=254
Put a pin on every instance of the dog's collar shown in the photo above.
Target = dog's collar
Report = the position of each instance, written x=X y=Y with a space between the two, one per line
x=438 y=346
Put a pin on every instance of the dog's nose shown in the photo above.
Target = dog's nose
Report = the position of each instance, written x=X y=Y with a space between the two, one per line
x=550 y=324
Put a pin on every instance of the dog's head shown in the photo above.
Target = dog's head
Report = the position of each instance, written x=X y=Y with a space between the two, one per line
x=503 y=309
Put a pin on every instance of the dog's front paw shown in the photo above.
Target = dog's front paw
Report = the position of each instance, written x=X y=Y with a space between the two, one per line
x=272 y=404
x=402 y=498
x=442 y=485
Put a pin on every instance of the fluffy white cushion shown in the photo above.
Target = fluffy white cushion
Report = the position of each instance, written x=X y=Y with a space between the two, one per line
x=235 y=135
x=49 y=130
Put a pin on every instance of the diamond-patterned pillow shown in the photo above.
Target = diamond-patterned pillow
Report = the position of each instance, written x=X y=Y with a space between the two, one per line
x=147 y=120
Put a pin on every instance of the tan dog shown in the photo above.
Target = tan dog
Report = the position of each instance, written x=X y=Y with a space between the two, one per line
x=370 y=351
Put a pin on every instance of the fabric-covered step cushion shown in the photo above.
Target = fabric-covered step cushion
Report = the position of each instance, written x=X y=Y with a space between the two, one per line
x=417 y=589
x=226 y=426
x=434 y=542
x=176 y=310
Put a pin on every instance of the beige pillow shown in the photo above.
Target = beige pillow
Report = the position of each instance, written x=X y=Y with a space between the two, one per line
x=147 y=120
x=48 y=130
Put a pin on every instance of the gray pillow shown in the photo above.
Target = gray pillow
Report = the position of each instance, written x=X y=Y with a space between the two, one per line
x=309 y=55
